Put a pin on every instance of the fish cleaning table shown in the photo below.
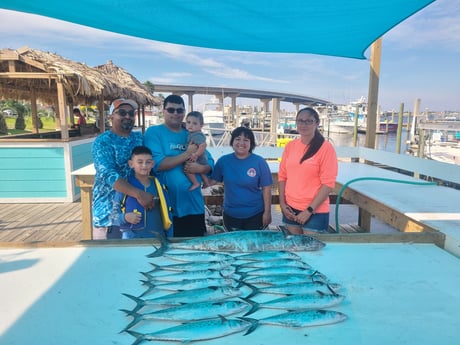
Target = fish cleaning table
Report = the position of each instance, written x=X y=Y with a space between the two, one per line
x=395 y=294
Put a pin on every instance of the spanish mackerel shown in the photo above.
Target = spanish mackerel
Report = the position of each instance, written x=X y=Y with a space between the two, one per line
x=301 y=302
x=211 y=293
x=191 y=312
x=197 y=331
x=299 y=288
x=227 y=272
x=272 y=263
x=269 y=256
x=195 y=266
x=188 y=284
x=246 y=241
x=302 y=318
x=199 y=257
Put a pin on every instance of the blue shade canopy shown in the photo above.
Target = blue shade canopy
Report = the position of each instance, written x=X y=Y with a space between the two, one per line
x=327 y=27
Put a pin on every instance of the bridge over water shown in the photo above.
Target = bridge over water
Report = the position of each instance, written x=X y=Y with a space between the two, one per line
x=265 y=98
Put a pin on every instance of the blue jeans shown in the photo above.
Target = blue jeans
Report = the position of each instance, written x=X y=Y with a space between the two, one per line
x=318 y=222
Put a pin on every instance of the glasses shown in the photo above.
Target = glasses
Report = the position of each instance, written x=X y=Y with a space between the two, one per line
x=175 y=110
x=305 y=122
x=123 y=113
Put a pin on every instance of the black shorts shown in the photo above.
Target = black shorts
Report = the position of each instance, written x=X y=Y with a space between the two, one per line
x=250 y=223
x=189 y=226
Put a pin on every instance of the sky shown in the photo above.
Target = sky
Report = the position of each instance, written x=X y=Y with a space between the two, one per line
x=420 y=59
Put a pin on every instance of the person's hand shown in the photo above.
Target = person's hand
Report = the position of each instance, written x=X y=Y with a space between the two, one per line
x=288 y=212
x=193 y=157
x=266 y=219
x=146 y=200
x=133 y=217
x=191 y=149
x=192 y=168
x=302 y=217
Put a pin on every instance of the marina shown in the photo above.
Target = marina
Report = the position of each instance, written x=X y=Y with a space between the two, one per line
x=390 y=260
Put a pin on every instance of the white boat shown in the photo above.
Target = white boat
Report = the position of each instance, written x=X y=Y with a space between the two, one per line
x=341 y=123
x=213 y=116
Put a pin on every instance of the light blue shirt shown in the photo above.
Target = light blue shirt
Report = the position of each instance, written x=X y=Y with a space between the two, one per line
x=165 y=143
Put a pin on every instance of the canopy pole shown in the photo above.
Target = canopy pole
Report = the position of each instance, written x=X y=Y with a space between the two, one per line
x=373 y=95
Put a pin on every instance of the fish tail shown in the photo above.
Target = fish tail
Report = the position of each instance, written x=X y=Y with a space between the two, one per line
x=149 y=290
x=139 y=301
x=136 y=319
x=155 y=267
x=254 y=306
x=163 y=247
x=254 y=289
x=254 y=324
x=139 y=337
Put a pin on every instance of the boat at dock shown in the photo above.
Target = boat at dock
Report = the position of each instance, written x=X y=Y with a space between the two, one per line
x=213 y=118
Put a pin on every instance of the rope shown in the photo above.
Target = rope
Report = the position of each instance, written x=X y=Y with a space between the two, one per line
x=339 y=194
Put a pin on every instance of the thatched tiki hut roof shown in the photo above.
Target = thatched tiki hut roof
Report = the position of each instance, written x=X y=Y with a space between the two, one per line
x=134 y=88
x=36 y=75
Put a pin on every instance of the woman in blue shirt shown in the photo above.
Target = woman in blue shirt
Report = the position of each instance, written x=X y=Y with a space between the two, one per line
x=247 y=184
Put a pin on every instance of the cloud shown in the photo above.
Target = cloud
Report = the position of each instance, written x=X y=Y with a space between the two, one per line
x=437 y=25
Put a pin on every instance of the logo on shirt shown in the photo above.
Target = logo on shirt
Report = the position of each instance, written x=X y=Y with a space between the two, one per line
x=252 y=172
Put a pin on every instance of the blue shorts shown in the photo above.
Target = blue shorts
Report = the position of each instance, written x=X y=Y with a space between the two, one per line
x=318 y=222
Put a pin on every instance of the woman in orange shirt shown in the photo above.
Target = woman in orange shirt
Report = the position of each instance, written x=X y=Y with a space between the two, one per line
x=306 y=177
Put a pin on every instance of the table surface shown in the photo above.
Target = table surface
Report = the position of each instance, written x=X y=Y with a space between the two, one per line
x=395 y=294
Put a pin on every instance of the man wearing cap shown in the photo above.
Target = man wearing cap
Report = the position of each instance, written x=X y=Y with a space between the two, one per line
x=168 y=143
x=111 y=151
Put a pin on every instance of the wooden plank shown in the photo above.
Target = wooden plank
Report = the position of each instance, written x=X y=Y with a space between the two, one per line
x=348 y=228
x=387 y=214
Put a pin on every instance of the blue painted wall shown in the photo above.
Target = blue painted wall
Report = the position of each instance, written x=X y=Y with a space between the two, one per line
x=81 y=156
x=32 y=172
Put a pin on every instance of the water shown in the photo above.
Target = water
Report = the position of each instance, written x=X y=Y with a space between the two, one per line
x=384 y=142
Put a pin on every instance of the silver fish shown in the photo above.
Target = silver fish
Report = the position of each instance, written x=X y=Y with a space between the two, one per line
x=227 y=272
x=191 y=312
x=301 y=302
x=269 y=256
x=197 y=330
x=302 y=318
x=199 y=257
x=186 y=266
x=211 y=293
x=272 y=263
x=245 y=242
x=277 y=279
x=189 y=284
x=265 y=271
x=299 y=288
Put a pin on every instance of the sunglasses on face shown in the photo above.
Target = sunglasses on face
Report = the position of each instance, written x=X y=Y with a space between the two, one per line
x=177 y=110
x=123 y=113
x=305 y=122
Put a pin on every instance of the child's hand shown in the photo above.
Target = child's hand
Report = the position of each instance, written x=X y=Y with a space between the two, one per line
x=133 y=217
x=193 y=157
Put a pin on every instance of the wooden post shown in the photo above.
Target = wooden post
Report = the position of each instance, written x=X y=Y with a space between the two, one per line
x=33 y=109
x=62 y=111
x=86 y=182
x=373 y=93
x=399 y=130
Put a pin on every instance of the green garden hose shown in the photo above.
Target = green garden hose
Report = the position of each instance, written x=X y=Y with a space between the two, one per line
x=339 y=194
